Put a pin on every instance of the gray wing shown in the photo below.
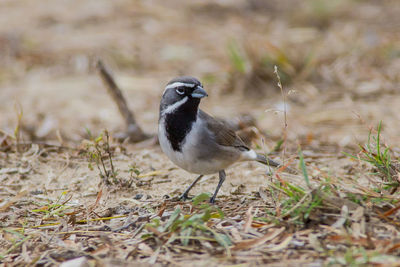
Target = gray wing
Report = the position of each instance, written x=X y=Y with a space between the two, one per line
x=224 y=135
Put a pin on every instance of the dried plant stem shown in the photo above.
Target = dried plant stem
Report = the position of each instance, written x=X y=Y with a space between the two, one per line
x=108 y=150
x=99 y=153
x=284 y=113
x=17 y=130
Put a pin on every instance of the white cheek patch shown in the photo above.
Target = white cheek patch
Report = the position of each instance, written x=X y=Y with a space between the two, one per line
x=178 y=84
x=173 y=107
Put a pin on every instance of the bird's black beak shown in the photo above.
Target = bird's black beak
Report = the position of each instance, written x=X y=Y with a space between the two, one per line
x=199 y=92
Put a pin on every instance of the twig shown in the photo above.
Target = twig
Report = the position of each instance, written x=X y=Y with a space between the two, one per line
x=134 y=132
x=43 y=144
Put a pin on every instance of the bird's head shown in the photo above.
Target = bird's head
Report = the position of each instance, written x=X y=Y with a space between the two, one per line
x=182 y=90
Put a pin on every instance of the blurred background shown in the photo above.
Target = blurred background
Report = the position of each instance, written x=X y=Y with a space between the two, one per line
x=339 y=62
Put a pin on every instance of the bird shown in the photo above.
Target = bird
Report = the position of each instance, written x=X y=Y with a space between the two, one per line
x=194 y=140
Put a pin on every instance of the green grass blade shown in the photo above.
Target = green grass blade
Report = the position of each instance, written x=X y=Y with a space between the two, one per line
x=303 y=168
x=200 y=198
x=171 y=220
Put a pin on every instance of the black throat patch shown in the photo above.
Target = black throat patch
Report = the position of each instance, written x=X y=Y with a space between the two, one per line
x=179 y=123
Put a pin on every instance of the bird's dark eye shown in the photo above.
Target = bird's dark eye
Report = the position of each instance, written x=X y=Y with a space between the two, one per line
x=180 y=91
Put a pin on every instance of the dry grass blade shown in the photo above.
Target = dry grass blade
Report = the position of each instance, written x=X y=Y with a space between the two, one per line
x=285 y=126
x=332 y=58
x=14 y=199
x=249 y=220
x=391 y=211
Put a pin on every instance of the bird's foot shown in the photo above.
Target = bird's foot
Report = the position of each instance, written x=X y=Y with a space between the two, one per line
x=212 y=200
x=184 y=197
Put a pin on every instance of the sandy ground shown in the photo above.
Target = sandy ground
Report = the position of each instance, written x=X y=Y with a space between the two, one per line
x=342 y=60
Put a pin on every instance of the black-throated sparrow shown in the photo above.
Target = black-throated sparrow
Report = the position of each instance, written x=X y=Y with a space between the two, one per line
x=195 y=141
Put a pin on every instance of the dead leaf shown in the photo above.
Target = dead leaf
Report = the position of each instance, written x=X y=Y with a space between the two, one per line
x=357 y=214
x=101 y=250
x=391 y=211
x=315 y=243
x=249 y=220
x=356 y=241
x=8 y=170
x=283 y=244
x=343 y=218
x=236 y=235
x=162 y=209
x=153 y=230
x=261 y=225
x=77 y=262
x=99 y=194
x=48 y=124
x=247 y=244
x=145 y=249
x=394 y=248
x=263 y=194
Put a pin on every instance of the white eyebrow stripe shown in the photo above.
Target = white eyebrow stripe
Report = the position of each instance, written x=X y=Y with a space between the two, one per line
x=178 y=84
x=174 y=106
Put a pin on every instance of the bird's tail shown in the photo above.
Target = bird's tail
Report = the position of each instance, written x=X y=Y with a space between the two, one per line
x=269 y=162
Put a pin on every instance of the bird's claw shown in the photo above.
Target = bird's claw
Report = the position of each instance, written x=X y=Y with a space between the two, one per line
x=184 y=197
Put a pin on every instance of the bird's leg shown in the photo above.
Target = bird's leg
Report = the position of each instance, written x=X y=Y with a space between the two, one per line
x=184 y=196
x=222 y=176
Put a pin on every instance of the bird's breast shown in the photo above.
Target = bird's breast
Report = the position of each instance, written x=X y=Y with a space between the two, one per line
x=197 y=154
x=186 y=156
